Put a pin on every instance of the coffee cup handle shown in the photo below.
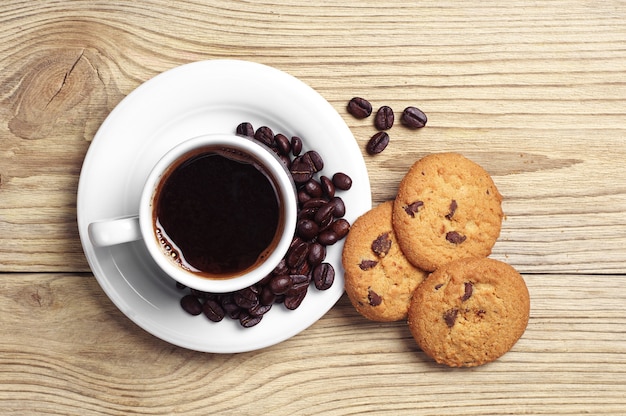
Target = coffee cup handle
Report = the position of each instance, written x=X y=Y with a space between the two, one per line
x=112 y=232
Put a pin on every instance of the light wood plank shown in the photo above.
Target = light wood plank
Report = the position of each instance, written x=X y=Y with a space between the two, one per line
x=536 y=95
x=66 y=347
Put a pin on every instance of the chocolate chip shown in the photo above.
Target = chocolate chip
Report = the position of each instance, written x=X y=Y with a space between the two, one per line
x=381 y=245
x=439 y=286
x=413 y=208
x=374 y=298
x=449 y=317
x=453 y=207
x=455 y=238
x=367 y=264
x=469 y=289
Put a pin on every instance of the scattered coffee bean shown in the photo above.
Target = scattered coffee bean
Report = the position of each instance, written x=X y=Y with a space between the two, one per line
x=323 y=276
x=307 y=229
x=265 y=135
x=384 y=118
x=359 y=107
x=296 y=145
x=282 y=144
x=317 y=254
x=327 y=238
x=191 y=304
x=328 y=187
x=245 y=129
x=301 y=171
x=413 y=117
x=341 y=227
x=342 y=181
x=279 y=285
x=314 y=188
x=248 y=320
x=340 y=207
x=213 y=310
x=377 y=143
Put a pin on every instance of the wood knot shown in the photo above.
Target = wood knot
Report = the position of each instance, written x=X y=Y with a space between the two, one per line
x=55 y=88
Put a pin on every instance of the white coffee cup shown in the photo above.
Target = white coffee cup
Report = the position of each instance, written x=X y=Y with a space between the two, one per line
x=144 y=225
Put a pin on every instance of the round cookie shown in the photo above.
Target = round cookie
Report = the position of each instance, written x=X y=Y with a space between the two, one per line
x=469 y=312
x=447 y=207
x=379 y=280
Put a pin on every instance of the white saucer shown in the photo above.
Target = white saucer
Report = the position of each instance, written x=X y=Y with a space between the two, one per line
x=187 y=101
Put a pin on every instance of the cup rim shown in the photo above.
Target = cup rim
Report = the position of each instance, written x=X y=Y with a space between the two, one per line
x=284 y=186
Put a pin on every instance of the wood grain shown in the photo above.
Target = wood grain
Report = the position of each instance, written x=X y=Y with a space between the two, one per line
x=534 y=92
x=67 y=347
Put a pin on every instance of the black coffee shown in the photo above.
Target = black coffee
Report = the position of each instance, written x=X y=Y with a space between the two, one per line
x=217 y=214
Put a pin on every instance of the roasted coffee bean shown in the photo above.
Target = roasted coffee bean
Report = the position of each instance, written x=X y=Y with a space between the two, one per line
x=324 y=214
x=341 y=227
x=303 y=196
x=315 y=203
x=248 y=320
x=259 y=309
x=340 y=208
x=245 y=129
x=282 y=144
x=327 y=238
x=247 y=298
x=267 y=297
x=265 y=135
x=377 y=143
x=328 y=188
x=307 y=213
x=296 y=145
x=307 y=229
x=299 y=283
x=297 y=254
x=342 y=181
x=279 y=285
x=301 y=171
x=191 y=304
x=303 y=268
x=314 y=160
x=359 y=107
x=230 y=307
x=384 y=118
x=292 y=302
x=413 y=117
x=314 y=188
x=317 y=254
x=323 y=276
x=213 y=310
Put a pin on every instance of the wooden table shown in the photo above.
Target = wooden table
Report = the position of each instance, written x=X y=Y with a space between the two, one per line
x=534 y=92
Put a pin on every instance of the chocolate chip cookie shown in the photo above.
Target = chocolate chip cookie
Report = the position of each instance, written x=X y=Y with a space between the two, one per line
x=447 y=207
x=469 y=312
x=379 y=279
